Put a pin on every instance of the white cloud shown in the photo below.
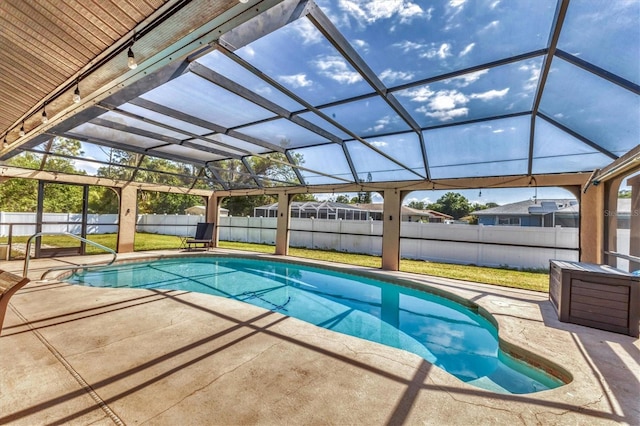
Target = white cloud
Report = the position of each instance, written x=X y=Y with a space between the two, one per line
x=370 y=11
x=447 y=100
x=447 y=115
x=306 y=30
x=531 y=83
x=336 y=68
x=296 y=80
x=429 y=13
x=264 y=91
x=420 y=94
x=453 y=9
x=498 y=131
x=491 y=25
x=444 y=51
x=445 y=105
x=87 y=165
x=467 y=49
x=494 y=4
x=467 y=79
x=410 y=11
x=490 y=94
x=363 y=45
x=407 y=46
x=379 y=144
x=381 y=124
x=248 y=50
x=391 y=76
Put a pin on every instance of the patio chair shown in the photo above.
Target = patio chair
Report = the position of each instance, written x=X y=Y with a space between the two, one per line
x=204 y=236
x=9 y=284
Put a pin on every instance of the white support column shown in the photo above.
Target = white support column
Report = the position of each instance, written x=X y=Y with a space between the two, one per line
x=391 y=219
x=283 y=222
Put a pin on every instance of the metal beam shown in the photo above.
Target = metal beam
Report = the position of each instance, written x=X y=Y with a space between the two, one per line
x=600 y=72
x=309 y=107
x=578 y=136
x=106 y=163
x=336 y=38
x=248 y=173
x=518 y=181
x=295 y=170
x=477 y=120
x=179 y=115
x=17 y=172
x=268 y=21
x=184 y=132
x=167 y=61
x=251 y=172
x=216 y=175
x=556 y=28
x=131 y=148
x=243 y=92
x=469 y=70
x=152 y=135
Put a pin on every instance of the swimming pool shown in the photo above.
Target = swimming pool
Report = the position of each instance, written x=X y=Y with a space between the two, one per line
x=449 y=335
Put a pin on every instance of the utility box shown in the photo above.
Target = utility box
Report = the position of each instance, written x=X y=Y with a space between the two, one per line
x=597 y=296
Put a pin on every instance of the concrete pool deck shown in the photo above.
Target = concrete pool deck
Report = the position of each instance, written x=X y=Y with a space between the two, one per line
x=80 y=355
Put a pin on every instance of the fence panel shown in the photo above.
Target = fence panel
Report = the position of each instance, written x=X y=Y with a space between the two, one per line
x=480 y=245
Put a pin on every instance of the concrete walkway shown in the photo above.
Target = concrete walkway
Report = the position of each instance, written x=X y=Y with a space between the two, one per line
x=81 y=355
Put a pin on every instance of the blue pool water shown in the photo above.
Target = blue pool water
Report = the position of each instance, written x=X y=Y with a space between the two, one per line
x=443 y=332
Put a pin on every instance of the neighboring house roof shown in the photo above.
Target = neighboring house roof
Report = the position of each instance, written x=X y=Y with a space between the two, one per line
x=371 y=207
x=528 y=207
x=406 y=211
x=312 y=205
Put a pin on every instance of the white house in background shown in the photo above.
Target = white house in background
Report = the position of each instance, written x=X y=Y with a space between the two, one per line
x=202 y=210
x=333 y=210
x=540 y=213
x=547 y=213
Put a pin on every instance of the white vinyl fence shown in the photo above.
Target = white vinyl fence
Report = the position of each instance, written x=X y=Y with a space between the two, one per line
x=521 y=247
x=24 y=223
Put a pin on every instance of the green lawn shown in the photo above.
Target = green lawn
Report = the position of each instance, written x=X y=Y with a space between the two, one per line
x=538 y=281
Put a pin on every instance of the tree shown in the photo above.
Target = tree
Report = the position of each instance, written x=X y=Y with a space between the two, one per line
x=364 y=197
x=20 y=195
x=343 y=199
x=453 y=204
x=150 y=170
x=418 y=205
x=270 y=169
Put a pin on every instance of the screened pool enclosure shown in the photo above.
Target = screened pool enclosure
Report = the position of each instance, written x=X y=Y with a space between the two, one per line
x=295 y=96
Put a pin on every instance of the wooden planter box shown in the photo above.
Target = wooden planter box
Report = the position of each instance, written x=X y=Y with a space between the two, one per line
x=597 y=296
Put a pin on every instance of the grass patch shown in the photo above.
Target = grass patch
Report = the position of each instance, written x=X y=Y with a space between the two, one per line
x=143 y=242
x=528 y=280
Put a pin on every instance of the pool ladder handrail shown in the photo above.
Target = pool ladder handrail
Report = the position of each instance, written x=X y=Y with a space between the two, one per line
x=27 y=255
